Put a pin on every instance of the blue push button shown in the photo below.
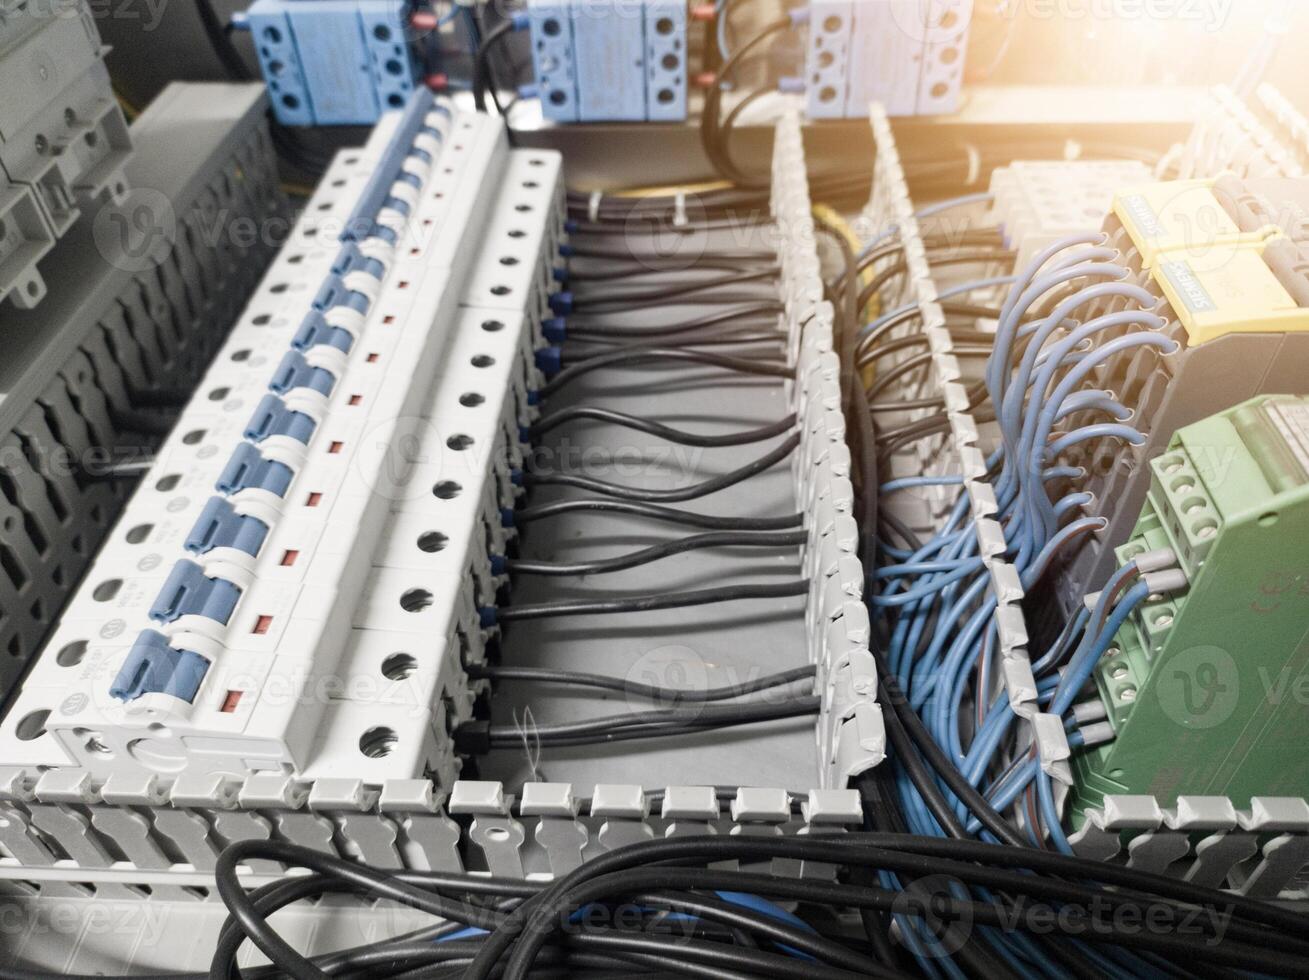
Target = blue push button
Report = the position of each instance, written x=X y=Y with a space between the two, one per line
x=273 y=418
x=296 y=372
x=189 y=592
x=247 y=468
x=154 y=667
x=220 y=526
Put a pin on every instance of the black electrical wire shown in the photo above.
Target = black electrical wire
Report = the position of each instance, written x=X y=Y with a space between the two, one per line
x=670 y=495
x=482 y=68
x=645 y=556
x=950 y=258
x=567 y=416
x=577 y=326
x=635 y=269
x=222 y=45
x=1259 y=935
x=969 y=342
x=652 y=602
x=243 y=910
x=657 y=255
x=651 y=723
x=548 y=675
x=949 y=774
x=537 y=929
x=710 y=130
x=727 y=338
x=668 y=515
x=638 y=354
x=774 y=930
x=604 y=298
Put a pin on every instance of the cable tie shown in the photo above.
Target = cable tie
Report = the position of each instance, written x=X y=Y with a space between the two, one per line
x=974 y=164
x=679 y=210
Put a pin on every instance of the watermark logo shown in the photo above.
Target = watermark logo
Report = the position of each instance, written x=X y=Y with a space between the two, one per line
x=136 y=235
x=1210 y=16
x=925 y=901
x=1199 y=688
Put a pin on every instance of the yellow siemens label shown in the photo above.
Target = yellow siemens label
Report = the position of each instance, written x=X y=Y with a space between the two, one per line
x=1228 y=290
x=1182 y=216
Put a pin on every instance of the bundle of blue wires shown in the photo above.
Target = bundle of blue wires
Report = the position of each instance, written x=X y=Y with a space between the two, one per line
x=935 y=603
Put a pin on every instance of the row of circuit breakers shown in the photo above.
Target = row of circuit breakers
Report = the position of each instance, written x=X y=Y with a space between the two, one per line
x=331 y=502
x=333 y=62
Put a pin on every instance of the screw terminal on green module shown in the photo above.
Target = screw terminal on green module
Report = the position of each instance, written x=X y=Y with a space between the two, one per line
x=1208 y=689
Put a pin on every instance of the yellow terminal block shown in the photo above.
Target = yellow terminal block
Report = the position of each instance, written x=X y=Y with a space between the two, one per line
x=1180 y=216
x=1230 y=289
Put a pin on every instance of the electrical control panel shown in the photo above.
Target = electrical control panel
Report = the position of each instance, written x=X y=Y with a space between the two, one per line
x=333 y=62
x=814 y=569
x=614 y=60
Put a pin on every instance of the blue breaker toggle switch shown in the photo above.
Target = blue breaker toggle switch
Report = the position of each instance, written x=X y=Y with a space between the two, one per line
x=273 y=418
x=334 y=292
x=247 y=468
x=350 y=259
x=296 y=372
x=189 y=592
x=220 y=526
x=154 y=667
x=315 y=330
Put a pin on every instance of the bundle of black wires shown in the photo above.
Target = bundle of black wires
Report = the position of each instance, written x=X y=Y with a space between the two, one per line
x=681 y=908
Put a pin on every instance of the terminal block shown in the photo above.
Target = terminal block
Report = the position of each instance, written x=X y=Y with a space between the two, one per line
x=1040 y=202
x=1204 y=689
x=315 y=556
x=907 y=55
x=618 y=60
x=1227 y=263
x=63 y=140
x=333 y=62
